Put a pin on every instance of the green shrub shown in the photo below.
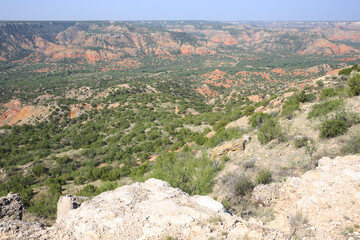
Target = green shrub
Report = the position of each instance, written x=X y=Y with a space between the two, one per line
x=351 y=117
x=322 y=109
x=345 y=71
x=80 y=180
x=185 y=171
x=354 y=85
x=333 y=127
x=87 y=191
x=257 y=119
x=91 y=190
x=263 y=176
x=303 y=97
x=242 y=185
x=274 y=96
x=45 y=205
x=352 y=146
x=200 y=140
x=177 y=145
x=268 y=131
x=327 y=92
x=38 y=170
x=263 y=103
x=225 y=158
x=220 y=124
x=226 y=204
x=320 y=83
x=139 y=172
x=18 y=184
x=223 y=135
x=63 y=160
x=289 y=107
x=292 y=89
x=249 y=110
x=301 y=142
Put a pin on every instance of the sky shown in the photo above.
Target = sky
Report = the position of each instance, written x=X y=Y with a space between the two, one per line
x=220 y=10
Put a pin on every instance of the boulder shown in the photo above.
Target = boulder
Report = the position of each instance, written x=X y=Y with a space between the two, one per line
x=11 y=206
x=67 y=203
x=151 y=210
x=240 y=123
x=275 y=103
x=236 y=145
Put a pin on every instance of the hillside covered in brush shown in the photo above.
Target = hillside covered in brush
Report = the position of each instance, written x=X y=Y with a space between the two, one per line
x=212 y=108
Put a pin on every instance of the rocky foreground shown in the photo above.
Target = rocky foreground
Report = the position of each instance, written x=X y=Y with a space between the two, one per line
x=322 y=204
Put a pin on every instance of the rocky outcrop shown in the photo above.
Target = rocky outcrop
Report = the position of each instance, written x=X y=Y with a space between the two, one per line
x=321 y=204
x=240 y=123
x=236 y=145
x=266 y=194
x=15 y=112
x=11 y=206
x=153 y=210
x=149 y=210
x=327 y=199
x=20 y=230
x=67 y=203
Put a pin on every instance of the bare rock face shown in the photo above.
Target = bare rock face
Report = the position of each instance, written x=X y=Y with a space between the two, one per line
x=11 y=206
x=325 y=201
x=67 y=203
x=11 y=226
x=19 y=230
x=240 y=123
x=266 y=194
x=236 y=145
x=152 y=210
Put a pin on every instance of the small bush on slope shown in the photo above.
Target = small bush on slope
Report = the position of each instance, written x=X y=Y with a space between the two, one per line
x=263 y=176
x=354 y=85
x=38 y=170
x=352 y=146
x=45 y=205
x=243 y=185
x=249 y=110
x=327 y=92
x=240 y=184
x=223 y=135
x=322 y=109
x=303 y=97
x=301 y=142
x=268 y=131
x=257 y=119
x=333 y=127
x=91 y=190
x=184 y=171
x=289 y=107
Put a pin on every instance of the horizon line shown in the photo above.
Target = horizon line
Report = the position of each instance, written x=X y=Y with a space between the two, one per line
x=174 y=20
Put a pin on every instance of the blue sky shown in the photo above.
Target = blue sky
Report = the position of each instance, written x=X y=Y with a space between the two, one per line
x=227 y=10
